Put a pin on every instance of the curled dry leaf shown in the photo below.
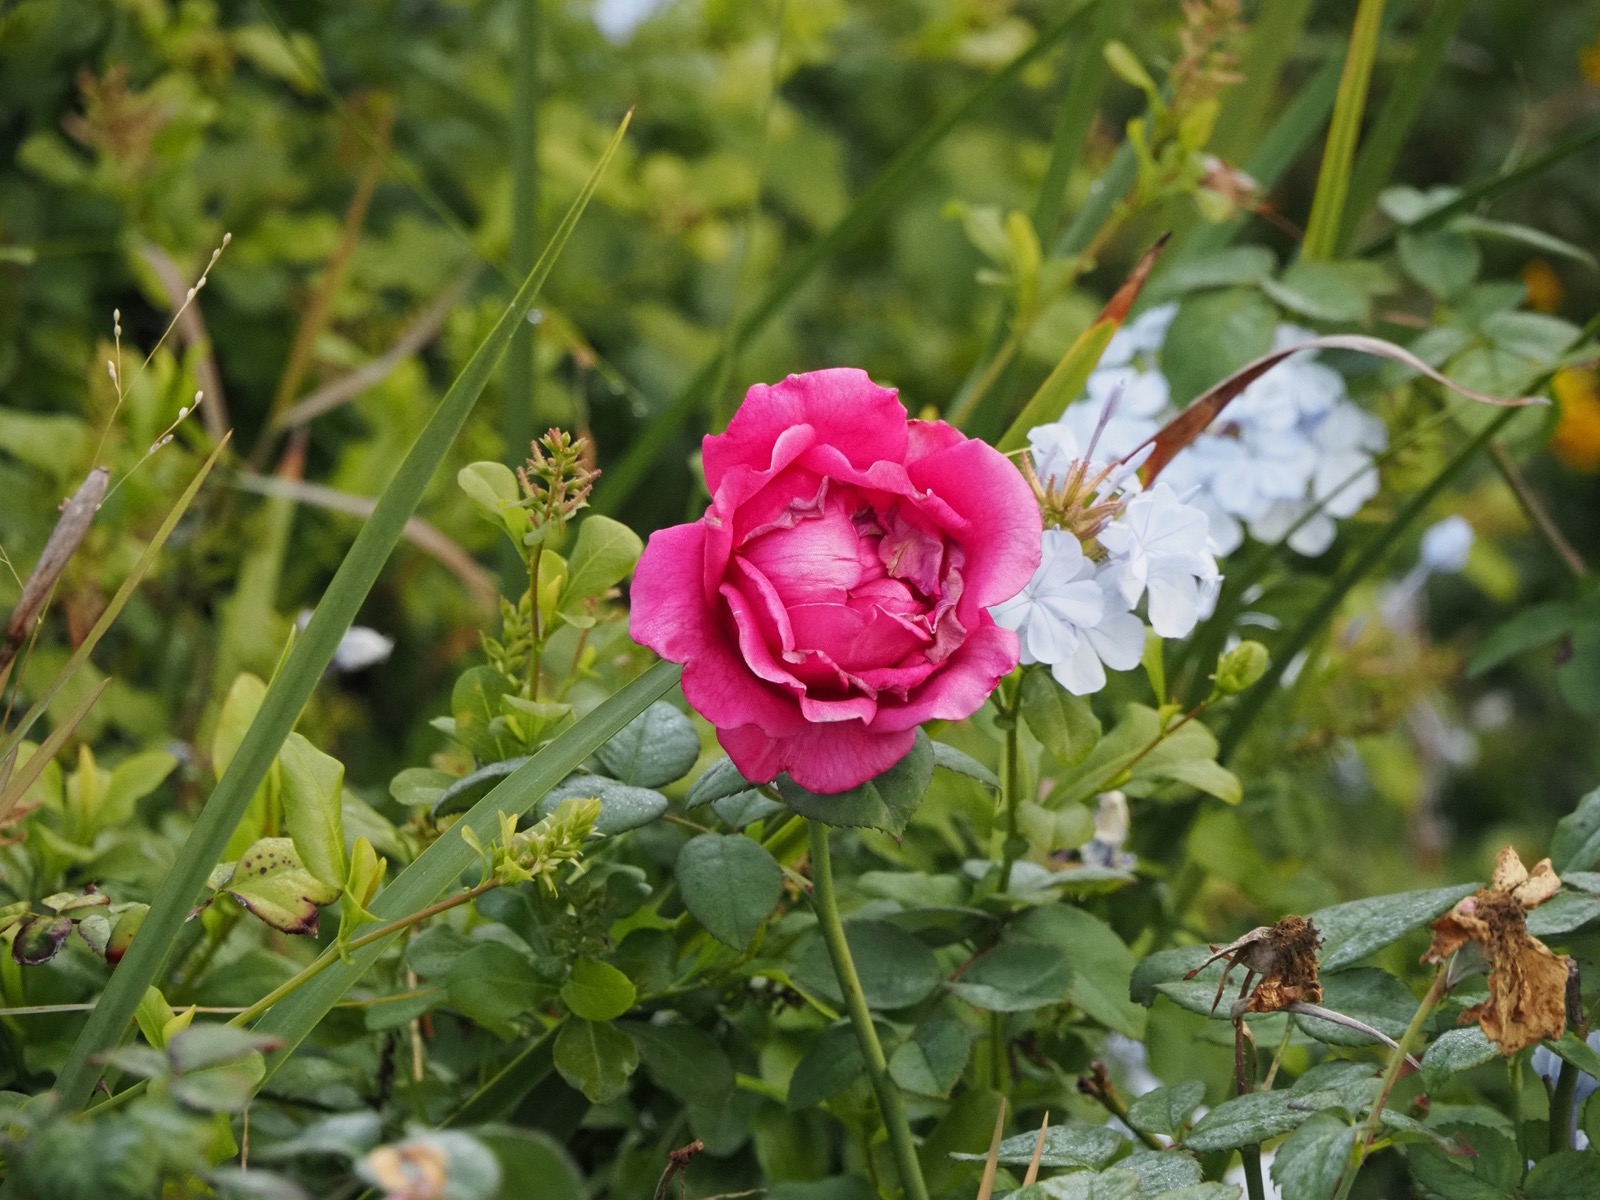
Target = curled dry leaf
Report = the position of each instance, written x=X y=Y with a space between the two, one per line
x=1284 y=955
x=1527 y=981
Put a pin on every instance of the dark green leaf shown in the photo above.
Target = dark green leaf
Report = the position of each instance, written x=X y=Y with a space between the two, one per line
x=685 y=1060
x=1075 y=1144
x=896 y=969
x=1102 y=966
x=1455 y=1051
x=622 y=806
x=745 y=808
x=1244 y=1121
x=655 y=748
x=596 y=1059
x=961 y=763
x=1572 y=1049
x=1221 y=268
x=1532 y=627
x=347 y=1135
x=1166 y=1109
x=1563 y=913
x=461 y=794
x=720 y=779
x=1578 y=677
x=885 y=802
x=1575 y=845
x=1565 y=1175
x=930 y=1062
x=1017 y=975
x=492 y=983
x=1441 y=1176
x=1214 y=334
x=1312 y=1158
x=1354 y=930
x=475 y=705
x=730 y=884
x=597 y=991
x=831 y=1063
x=1369 y=995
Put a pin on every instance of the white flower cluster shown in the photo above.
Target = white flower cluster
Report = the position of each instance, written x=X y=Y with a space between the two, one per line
x=1290 y=443
x=1077 y=612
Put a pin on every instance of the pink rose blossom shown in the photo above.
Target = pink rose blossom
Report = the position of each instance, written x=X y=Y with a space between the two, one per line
x=835 y=595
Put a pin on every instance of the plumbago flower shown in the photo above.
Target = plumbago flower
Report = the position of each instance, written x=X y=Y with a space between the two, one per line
x=835 y=594
x=1111 y=546
x=1288 y=456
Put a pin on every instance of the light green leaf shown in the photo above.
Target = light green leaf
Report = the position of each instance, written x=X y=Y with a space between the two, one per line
x=272 y=883
x=730 y=884
x=133 y=779
x=1064 y=724
x=1102 y=965
x=1075 y=1144
x=962 y=763
x=597 y=991
x=1441 y=260
x=238 y=711
x=930 y=1062
x=596 y=1059
x=603 y=557
x=1166 y=1109
x=1243 y=1121
x=311 y=790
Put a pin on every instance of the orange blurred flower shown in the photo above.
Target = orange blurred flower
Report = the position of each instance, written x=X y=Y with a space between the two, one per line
x=1545 y=292
x=1577 y=437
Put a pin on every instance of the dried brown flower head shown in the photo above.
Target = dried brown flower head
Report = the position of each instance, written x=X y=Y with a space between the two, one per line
x=1284 y=955
x=1527 y=981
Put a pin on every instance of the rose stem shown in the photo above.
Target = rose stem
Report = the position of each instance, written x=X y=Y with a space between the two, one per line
x=1010 y=781
x=844 y=970
x=1397 y=1062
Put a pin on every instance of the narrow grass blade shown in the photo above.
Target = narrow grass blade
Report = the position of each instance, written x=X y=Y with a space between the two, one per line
x=440 y=866
x=1253 y=701
x=1333 y=181
x=1064 y=384
x=1087 y=76
x=21 y=780
x=299 y=675
x=1381 y=150
x=623 y=478
x=1192 y=421
x=1494 y=185
x=113 y=610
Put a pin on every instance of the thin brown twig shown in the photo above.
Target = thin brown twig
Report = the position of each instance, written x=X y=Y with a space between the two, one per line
x=424 y=327
x=677 y=1163
x=425 y=536
x=1536 y=512
x=320 y=305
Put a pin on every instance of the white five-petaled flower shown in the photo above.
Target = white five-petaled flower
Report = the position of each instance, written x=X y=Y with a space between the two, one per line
x=1159 y=545
x=1073 y=618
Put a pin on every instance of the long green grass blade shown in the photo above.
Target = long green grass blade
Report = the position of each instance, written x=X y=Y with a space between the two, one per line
x=1381 y=149
x=1333 y=181
x=623 y=478
x=289 y=692
x=1086 y=77
x=1493 y=185
x=113 y=610
x=507 y=1088
x=440 y=866
x=1253 y=701
x=14 y=788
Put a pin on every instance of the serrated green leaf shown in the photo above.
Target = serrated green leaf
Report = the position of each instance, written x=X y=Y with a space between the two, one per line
x=1244 y=1121
x=1356 y=929
x=1312 y=1158
x=622 y=807
x=896 y=969
x=719 y=780
x=930 y=1061
x=962 y=763
x=1017 y=975
x=1165 y=1110
x=1074 y=1144
x=830 y=1064
x=1575 y=845
x=884 y=802
x=1102 y=965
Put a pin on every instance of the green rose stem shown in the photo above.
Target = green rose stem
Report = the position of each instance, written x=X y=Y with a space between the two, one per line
x=1007 y=704
x=1397 y=1062
x=844 y=970
x=333 y=953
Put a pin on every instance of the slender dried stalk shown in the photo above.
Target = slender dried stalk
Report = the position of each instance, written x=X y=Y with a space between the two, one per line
x=71 y=528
